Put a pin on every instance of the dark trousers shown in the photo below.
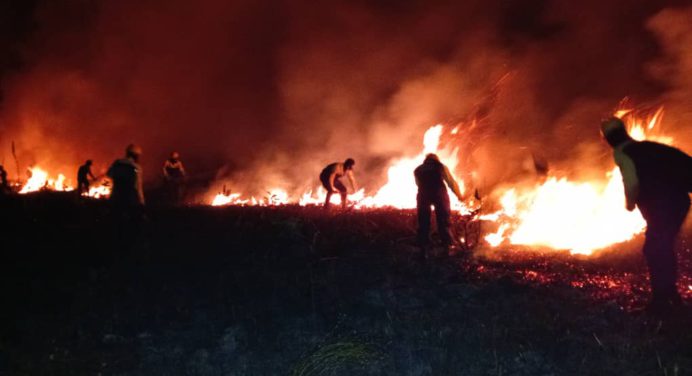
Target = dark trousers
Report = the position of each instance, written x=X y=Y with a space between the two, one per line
x=174 y=191
x=439 y=200
x=343 y=192
x=82 y=187
x=664 y=217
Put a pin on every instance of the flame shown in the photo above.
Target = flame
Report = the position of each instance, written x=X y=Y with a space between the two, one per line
x=580 y=216
x=40 y=180
x=399 y=191
x=557 y=213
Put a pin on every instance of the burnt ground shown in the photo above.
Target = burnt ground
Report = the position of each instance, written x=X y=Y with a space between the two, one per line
x=295 y=291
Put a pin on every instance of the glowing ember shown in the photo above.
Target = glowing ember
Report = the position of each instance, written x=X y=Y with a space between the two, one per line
x=100 y=190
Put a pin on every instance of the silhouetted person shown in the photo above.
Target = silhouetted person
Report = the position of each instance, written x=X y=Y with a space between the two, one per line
x=83 y=176
x=657 y=180
x=4 y=183
x=126 y=175
x=432 y=179
x=331 y=180
x=174 y=178
x=127 y=198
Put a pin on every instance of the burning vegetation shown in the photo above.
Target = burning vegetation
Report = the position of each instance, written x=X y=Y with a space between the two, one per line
x=250 y=275
x=554 y=212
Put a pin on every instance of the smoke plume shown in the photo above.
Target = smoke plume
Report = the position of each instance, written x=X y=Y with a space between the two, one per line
x=261 y=94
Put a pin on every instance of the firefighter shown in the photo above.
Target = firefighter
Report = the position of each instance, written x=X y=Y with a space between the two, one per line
x=126 y=175
x=83 y=176
x=432 y=179
x=4 y=184
x=331 y=180
x=657 y=179
x=174 y=177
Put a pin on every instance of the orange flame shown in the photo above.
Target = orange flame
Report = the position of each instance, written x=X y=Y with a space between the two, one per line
x=578 y=216
x=399 y=191
x=40 y=180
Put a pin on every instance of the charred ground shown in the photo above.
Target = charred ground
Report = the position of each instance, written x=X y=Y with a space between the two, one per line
x=295 y=291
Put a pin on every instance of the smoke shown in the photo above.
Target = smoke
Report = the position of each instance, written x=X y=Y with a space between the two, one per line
x=264 y=94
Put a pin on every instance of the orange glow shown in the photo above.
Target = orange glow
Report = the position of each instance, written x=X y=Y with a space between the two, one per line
x=40 y=180
x=580 y=216
x=399 y=191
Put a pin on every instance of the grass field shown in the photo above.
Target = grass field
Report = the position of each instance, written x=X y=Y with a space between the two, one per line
x=297 y=291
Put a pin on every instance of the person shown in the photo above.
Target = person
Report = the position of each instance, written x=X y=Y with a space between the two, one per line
x=4 y=184
x=127 y=194
x=83 y=176
x=331 y=180
x=127 y=201
x=432 y=179
x=657 y=179
x=174 y=177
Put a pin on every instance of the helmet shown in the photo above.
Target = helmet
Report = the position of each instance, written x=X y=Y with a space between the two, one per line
x=348 y=163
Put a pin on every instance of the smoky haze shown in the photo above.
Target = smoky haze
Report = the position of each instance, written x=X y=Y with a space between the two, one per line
x=261 y=94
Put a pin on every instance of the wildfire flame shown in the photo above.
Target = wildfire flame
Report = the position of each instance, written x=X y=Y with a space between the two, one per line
x=557 y=213
x=580 y=216
x=399 y=191
x=40 y=180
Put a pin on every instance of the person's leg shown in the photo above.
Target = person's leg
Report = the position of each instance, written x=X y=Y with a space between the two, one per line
x=325 y=183
x=343 y=192
x=663 y=225
x=442 y=214
x=80 y=188
x=423 y=212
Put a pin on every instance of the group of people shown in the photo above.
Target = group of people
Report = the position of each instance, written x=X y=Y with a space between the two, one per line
x=657 y=179
x=125 y=173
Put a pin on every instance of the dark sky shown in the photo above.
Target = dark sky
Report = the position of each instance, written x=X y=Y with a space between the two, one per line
x=275 y=89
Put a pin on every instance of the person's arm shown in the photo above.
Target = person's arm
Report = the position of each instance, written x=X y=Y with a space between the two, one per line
x=165 y=169
x=449 y=179
x=138 y=186
x=182 y=169
x=91 y=174
x=352 y=179
x=629 y=178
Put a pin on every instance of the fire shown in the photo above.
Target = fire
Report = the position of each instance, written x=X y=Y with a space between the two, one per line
x=399 y=191
x=274 y=196
x=561 y=214
x=40 y=180
x=557 y=213
x=580 y=216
